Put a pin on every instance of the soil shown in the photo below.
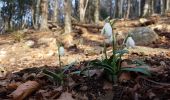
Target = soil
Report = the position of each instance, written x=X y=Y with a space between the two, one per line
x=23 y=64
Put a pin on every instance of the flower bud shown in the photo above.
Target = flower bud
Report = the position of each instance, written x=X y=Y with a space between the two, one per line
x=61 y=51
x=130 y=43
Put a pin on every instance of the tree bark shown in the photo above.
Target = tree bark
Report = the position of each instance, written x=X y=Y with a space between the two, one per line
x=139 y=7
x=96 y=15
x=55 y=14
x=67 y=21
x=162 y=6
x=37 y=14
x=44 y=15
x=116 y=10
x=167 y=5
x=82 y=8
x=146 y=8
x=128 y=9
x=120 y=8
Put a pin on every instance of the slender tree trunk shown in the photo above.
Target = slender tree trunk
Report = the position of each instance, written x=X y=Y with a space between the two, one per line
x=32 y=17
x=67 y=9
x=37 y=14
x=55 y=14
x=82 y=8
x=44 y=15
x=162 y=6
x=152 y=7
x=76 y=8
x=167 y=5
x=128 y=8
x=139 y=7
x=96 y=15
x=116 y=10
x=146 y=8
x=120 y=8
x=110 y=9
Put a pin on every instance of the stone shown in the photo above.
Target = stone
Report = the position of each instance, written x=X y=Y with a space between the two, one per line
x=143 y=35
x=30 y=43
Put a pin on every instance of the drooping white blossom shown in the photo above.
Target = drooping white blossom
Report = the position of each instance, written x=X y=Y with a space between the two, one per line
x=130 y=43
x=107 y=32
x=61 y=51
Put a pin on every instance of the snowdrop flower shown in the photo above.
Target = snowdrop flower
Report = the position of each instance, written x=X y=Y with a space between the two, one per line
x=61 y=51
x=130 y=43
x=107 y=32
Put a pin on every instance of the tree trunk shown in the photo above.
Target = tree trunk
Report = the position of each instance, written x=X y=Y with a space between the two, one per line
x=167 y=5
x=162 y=7
x=146 y=8
x=128 y=9
x=67 y=21
x=37 y=14
x=152 y=7
x=76 y=8
x=116 y=10
x=55 y=14
x=96 y=15
x=44 y=15
x=82 y=8
x=110 y=9
x=139 y=7
x=120 y=8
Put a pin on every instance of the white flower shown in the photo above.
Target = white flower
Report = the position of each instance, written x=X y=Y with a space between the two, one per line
x=61 y=51
x=130 y=43
x=109 y=40
x=107 y=30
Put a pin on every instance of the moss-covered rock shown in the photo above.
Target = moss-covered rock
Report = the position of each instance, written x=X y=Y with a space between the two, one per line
x=143 y=35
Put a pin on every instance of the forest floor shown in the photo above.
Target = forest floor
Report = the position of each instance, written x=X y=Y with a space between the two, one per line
x=20 y=64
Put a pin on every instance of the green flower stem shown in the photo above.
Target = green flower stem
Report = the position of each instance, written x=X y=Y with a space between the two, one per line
x=104 y=51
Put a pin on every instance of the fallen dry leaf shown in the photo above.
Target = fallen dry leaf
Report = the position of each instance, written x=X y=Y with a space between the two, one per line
x=125 y=76
x=24 y=90
x=107 y=86
x=66 y=96
x=12 y=86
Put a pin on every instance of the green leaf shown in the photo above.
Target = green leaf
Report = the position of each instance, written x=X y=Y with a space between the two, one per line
x=138 y=62
x=121 y=52
x=55 y=76
x=76 y=72
x=68 y=67
x=140 y=70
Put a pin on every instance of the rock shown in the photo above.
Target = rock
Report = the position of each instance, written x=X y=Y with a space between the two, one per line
x=30 y=43
x=143 y=35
